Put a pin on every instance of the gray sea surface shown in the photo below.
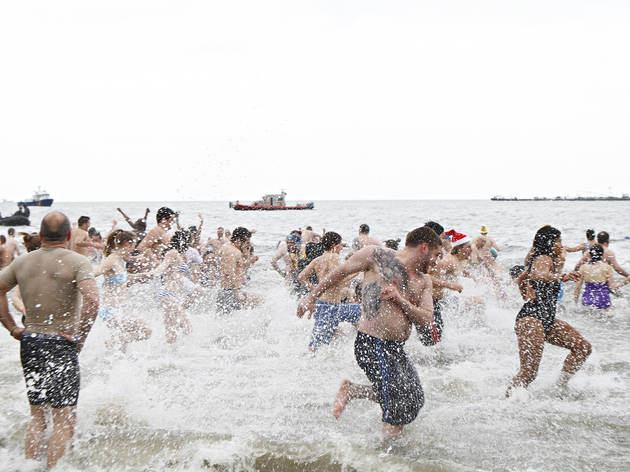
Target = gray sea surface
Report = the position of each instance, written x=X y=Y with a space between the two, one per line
x=241 y=392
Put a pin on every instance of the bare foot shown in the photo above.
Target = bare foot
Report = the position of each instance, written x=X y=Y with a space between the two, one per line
x=341 y=399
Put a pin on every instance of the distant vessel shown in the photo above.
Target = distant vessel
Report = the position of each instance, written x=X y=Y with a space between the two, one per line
x=271 y=202
x=40 y=198
x=624 y=197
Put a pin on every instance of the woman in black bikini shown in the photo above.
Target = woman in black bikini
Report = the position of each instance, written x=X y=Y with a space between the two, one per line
x=536 y=322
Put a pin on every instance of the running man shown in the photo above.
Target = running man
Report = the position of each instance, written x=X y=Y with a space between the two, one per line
x=61 y=300
x=80 y=240
x=154 y=244
x=329 y=309
x=396 y=295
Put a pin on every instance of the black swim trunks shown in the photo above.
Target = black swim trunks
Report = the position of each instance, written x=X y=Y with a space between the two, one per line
x=228 y=301
x=393 y=376
x=51 y=369
x=430 y=336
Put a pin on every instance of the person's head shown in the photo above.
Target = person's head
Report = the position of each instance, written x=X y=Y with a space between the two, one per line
x=437 y=227
x=461 y=244
x=11 y=232
x=425 y=243
x=392 y=244
x=3 y=239
x=364 y=229
x=55 y=228
x=180 y=241
x=516 y=271
x=194 y=234
x=120 y=241
x=140 y=225
x=590 y=235
x=603 y=238
x=92 y=232
x=546 y=241
x=294 y=242
x=165 y=216
x=219 y=232
x=596 y=252
x=241 y=238
x=83 y=222
x=31 y=241
x=309 y=228
x=332 y=241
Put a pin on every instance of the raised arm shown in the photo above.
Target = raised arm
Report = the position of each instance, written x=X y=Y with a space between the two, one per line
x=127 y=219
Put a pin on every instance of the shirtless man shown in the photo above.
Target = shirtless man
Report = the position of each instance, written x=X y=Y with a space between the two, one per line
x=483 y=244
x=603 y=238
x=216 y=244
x=80 y=240
x=441 y=279
x=364 y=240
x=156 y=241
x=329 y=309
x=235 y=259
x=12 y=245
x=396 y=295
x=61 y=300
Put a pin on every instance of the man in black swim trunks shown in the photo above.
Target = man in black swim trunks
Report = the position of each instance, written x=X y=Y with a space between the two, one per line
x=61 y=301
x=396 y=295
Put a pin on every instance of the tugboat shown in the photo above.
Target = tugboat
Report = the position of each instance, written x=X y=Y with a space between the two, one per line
x=271 y=202
x=40 y=198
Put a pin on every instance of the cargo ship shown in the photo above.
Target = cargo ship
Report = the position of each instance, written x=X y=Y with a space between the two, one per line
x=271 y=202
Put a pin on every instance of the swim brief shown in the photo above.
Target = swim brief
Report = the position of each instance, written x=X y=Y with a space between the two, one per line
x=51 y=369
x=328 y=316
x=431 y=335
x=393 y=376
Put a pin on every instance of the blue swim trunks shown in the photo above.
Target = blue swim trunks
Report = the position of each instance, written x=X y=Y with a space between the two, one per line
x=328 y=316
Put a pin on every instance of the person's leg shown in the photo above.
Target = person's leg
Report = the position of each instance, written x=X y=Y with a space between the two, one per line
x=64 y=421
x=351 y=391
x=392 y=431
x=531 y=340
x=566 y=336
x=169 y=309
x=36 y=433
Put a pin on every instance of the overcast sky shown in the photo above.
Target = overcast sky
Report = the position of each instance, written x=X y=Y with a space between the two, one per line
x=181 y=100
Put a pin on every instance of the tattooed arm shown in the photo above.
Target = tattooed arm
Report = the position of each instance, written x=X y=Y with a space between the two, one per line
x=359 y=262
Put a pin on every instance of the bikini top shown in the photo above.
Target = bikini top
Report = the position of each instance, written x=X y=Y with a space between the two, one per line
x=118 y=279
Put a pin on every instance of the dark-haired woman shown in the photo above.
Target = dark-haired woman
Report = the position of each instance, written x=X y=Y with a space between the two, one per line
x=536 y=323
x=126 y=327
x=598 y=278
x=169 y=280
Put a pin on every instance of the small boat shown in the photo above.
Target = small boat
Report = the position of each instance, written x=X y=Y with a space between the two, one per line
x=271 y=202
x=15 y=220
x=40 y=198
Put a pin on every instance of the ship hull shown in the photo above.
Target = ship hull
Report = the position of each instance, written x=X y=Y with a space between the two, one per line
x=46 y=202
x=241 y=207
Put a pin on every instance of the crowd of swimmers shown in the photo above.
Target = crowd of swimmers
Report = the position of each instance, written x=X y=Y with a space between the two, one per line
x=385 y=291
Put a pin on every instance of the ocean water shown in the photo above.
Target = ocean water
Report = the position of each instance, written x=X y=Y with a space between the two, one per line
x=241 y=393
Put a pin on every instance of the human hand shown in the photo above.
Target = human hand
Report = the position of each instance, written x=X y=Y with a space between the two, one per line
x=306 y=305
x=17 y=333
x=571 y=276
x=72 y=339
x=391 y=292
x=458 y=287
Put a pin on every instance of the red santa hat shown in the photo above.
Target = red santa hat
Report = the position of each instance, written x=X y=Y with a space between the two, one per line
x=458 y=238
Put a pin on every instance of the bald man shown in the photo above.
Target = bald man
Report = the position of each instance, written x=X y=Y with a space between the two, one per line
x=61 y=301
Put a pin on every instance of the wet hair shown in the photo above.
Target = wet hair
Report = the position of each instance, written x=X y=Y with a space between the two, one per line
x=516 y=271
x=423 y=235
x=313 y=250
x=364 y=229
x=192 y=231
x=590 y=234
x=31 y=241
x=296 y=231
x=330 y=239
x=55 y=227
x=3 y=239
x=82 y=220
x=437 y=227
x=310 y=228
x=545 y=241
x=392 y=244
x=179 y=241
x=240 y=234
x=164 y=213
x=596 y=252
x=11 y=231
x=456 y=249
x=92 y=232
x=603 y=237
x=115 y=239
